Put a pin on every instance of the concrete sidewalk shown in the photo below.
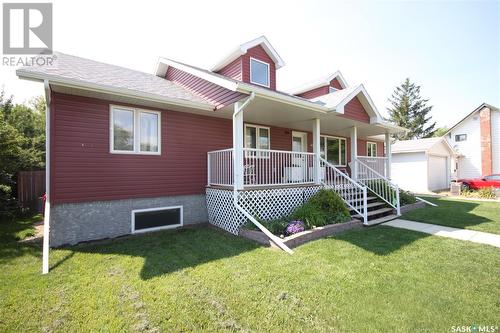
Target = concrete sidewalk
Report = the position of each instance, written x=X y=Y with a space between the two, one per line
x=455 y=233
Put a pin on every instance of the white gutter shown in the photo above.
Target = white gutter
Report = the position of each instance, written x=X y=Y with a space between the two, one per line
x=46 y=216
x=73 y=83
x=280 y=97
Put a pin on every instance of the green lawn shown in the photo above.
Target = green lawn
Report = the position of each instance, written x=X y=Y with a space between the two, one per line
x=475 y=215
x=377 y=279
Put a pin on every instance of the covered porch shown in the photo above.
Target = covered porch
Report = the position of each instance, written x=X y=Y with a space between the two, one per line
x=283 y=145
x=283 y=153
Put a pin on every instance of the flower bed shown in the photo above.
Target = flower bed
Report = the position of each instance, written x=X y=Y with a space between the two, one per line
x=304 y=236
x=325 y=207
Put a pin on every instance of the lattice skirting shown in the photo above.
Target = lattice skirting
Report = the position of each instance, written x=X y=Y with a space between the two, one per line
x=264 y=204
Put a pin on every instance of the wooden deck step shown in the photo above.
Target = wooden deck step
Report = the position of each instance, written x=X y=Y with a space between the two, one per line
x=367 y=199
x=382 y=219
x=374 y=204
x=376 y=212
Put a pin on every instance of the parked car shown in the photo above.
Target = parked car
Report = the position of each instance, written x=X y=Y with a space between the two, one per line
x=477 y=183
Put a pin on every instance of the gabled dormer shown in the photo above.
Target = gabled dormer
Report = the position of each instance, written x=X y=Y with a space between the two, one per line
x=320 y=87
x=254 y=62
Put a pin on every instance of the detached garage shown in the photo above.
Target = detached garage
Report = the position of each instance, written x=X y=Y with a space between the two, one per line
x=422 y=165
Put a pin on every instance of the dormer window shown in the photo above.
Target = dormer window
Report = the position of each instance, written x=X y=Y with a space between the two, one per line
x=331 y=90
x=259 y=72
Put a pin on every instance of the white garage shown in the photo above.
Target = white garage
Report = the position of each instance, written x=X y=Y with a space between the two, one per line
x=423 y=165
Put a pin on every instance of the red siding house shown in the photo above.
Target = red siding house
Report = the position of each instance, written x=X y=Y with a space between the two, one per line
x=130 y=152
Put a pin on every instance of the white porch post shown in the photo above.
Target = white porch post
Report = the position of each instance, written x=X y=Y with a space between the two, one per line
x=316 y=150
x=354 y=152
x=238 y=168
x=388 y=153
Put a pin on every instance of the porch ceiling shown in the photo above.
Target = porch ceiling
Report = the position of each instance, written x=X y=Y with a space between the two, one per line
x=276 y=113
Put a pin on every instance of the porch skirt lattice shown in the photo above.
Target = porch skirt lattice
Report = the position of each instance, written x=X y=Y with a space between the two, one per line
x=263 y=204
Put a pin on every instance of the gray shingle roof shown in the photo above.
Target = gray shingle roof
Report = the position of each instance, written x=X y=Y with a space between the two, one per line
x=333 y=99
x=86 y=71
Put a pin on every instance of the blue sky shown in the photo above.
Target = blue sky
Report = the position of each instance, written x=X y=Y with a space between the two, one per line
x=450 y=48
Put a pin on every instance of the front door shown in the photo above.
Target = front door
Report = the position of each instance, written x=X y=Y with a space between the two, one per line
x=297 y=172
x=299 y=141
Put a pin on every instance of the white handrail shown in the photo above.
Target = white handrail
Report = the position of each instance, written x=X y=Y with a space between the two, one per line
x=379 y=185
x=353 y=194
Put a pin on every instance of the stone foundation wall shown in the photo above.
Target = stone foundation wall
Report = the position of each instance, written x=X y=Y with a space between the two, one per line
x=78 y=222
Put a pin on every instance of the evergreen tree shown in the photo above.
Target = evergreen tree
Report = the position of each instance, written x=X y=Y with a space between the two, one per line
x=409 y=110
x=440 y=131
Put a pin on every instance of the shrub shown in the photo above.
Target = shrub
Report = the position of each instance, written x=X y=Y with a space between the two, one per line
x=310 y=214
x=332 y=205
x=486 y=193
x=483 y=193
x=325 y=207
x=406 y=198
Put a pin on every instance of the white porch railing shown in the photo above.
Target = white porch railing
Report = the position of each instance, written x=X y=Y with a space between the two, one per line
x=379 y=164
x=220 y=167
x=353 y=194
x=262 y=167
x=379 y=185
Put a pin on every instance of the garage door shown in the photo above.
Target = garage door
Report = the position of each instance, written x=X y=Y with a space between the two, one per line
x=438 y=173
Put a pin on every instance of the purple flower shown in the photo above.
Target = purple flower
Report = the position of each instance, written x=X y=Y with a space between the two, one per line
x=294 y=227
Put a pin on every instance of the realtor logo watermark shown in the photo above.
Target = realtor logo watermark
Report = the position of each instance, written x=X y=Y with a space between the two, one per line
x=27 y=29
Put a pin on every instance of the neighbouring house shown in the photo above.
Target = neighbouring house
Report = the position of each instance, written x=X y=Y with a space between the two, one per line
x=476 y=139
x=422 y=165
x=130 y=152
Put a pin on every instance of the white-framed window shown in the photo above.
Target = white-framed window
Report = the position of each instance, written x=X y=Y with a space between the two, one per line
x=260 y=72
x=134 y=131
x=157 y=218
x=460 y=137
x=333 y=149
x=371 y=149
x=257 y=137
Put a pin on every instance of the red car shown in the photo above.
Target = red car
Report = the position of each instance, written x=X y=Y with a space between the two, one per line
x=477 y=183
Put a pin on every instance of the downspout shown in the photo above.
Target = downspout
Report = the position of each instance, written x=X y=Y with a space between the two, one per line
x=46 y=216
x=273 y=238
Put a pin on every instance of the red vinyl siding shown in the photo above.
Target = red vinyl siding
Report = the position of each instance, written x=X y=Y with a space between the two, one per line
x=336 y=84
x=83 y=169
x=258 y=53
x=215 y=94
x=362 y=147
x=232 y=70
x=320 y=91
x=314 y=92
x=354 y=110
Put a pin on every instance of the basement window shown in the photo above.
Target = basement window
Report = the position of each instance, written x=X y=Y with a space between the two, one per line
x=151 y=219
x=460 y=137
x=259 y=72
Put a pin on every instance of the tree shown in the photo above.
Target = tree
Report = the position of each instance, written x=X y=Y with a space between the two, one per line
x=409 y=110
x=441 y=131
x=22 y=144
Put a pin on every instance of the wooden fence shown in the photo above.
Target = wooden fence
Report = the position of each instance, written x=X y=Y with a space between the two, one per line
x=30 y=187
